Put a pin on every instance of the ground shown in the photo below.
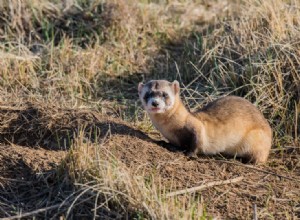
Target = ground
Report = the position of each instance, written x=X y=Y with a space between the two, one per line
x=29 y=173
x=75 y=142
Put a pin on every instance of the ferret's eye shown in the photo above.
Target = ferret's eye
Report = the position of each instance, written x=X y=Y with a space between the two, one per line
x=165 y=95
x=147 y=96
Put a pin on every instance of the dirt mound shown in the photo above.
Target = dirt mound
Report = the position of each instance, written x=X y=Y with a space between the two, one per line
x=19 y=162
x=40 y=125
x=28 y=181
x=274 y=188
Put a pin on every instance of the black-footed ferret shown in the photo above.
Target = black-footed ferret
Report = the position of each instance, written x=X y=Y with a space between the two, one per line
x=229 y=125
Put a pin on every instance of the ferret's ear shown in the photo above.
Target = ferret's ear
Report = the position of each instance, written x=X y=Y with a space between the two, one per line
x=140 y=87
x=176 y=87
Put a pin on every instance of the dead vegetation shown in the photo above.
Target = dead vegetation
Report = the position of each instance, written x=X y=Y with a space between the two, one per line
x=126 y=173
x=75 y=142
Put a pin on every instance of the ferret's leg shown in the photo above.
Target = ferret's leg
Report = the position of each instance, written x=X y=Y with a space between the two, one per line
x=197 y=130
x=193 y=150
x=257 y=144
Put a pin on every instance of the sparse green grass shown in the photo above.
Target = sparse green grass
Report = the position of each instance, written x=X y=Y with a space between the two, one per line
x=93 y=53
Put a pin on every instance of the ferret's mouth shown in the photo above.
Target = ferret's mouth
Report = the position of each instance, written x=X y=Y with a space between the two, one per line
x=155 y=109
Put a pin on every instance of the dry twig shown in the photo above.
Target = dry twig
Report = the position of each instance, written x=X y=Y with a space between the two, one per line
x=31 y=213
x=211 y=184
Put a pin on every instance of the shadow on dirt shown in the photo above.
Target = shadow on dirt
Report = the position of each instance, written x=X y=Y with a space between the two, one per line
x=31 y=191
x=35 y=125
x=34 y=185
x=85 y=24
x=50 y=190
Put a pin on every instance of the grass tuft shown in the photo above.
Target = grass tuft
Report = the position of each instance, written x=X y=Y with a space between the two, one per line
x=115 y=189
x=69 y=74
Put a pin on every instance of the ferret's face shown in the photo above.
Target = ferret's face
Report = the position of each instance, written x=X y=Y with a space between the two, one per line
x=158 y=96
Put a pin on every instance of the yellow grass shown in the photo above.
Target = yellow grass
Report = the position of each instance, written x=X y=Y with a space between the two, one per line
x=92 y=54
x=112 y=186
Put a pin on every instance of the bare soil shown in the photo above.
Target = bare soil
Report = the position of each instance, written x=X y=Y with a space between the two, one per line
x=30 y=173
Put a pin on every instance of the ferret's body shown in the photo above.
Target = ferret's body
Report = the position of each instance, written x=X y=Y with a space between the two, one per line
x=229 y=125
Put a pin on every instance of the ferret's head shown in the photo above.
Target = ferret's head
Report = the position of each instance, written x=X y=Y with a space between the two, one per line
x=158 y=96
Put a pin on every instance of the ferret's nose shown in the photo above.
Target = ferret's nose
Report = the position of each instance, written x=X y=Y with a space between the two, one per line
x=155 y=103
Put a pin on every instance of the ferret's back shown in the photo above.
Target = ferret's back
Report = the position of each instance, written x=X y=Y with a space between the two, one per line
x=230 y=108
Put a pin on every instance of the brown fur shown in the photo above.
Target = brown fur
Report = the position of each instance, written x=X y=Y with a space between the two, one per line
x=229 y=125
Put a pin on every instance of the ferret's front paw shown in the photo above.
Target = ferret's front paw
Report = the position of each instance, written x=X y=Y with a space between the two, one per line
x=191 y=154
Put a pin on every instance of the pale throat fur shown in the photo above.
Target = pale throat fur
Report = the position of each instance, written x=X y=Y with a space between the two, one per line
x=174 y=124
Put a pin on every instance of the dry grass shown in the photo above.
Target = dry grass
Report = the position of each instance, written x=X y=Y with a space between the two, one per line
x=116 y=188
x=113 y=170
x=59 y=57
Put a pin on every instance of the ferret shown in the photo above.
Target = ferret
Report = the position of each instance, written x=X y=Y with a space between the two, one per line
x=230 y=125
